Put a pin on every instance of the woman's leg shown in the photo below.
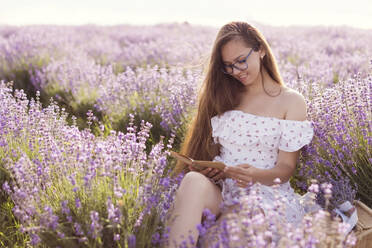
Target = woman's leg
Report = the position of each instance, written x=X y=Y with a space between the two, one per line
x=195 y=193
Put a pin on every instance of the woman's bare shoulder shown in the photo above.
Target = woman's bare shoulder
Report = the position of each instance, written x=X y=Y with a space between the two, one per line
x=291 y=94
x=294 y=103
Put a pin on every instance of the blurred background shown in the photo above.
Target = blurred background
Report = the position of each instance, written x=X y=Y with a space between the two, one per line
x=355 y=13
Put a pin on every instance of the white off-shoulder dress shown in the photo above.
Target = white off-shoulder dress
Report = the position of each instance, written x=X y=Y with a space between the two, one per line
x=256 y=140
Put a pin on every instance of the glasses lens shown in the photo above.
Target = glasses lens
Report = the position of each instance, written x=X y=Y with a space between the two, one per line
x=237 y=66
x=241 y=65
x=227 y=69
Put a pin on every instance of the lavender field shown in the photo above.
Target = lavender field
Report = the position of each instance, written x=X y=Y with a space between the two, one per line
x=89 y=114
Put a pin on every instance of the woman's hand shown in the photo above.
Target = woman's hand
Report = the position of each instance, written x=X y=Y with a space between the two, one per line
x=241 y=173
x=214 y=174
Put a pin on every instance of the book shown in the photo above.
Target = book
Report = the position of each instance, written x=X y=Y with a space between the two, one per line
x=198 y=164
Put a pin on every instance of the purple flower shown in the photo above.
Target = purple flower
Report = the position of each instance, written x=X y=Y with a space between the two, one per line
x=35 y=239
x=132 y=241
x=95 y=226
x=314 y=188
x=116 y=237
x=78 y=229
x=65 y=208
x=6 y=188
x=77 y=203
x=155 y=238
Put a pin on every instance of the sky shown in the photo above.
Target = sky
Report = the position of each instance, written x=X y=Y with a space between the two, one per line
x=354 y=13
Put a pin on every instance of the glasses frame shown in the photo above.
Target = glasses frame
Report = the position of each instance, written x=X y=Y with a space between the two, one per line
x=232 y=66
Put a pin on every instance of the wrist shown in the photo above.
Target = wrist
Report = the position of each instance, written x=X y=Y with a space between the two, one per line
x=252 y=173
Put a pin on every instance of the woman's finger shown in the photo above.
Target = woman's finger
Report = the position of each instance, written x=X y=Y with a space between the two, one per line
x=208 y=172
x=238 y=182
x=239 y=172
x=234 y=171
x=244 y=166
x=218 y=176
x=241 y=185
x=213 y=172
x=204 y=171
x=244 y=178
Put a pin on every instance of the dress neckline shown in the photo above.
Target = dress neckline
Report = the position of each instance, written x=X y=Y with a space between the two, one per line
x=260 y=116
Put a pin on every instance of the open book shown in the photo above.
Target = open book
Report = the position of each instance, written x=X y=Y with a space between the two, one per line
x=198 y=164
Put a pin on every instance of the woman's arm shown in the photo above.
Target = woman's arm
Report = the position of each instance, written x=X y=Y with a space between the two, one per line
x=283 y=169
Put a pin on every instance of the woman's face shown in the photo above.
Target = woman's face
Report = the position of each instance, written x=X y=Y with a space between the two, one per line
x=235 y=52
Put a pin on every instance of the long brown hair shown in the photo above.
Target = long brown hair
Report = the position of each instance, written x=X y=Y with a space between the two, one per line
x=220 y=92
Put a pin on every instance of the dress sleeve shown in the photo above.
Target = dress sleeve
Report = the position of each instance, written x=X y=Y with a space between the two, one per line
x=295 y=134
x=217 y=127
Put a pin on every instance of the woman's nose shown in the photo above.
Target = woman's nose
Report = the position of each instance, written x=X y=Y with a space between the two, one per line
x=235 y=71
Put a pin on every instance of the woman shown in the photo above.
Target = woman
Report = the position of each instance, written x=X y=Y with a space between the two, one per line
x=248 y=119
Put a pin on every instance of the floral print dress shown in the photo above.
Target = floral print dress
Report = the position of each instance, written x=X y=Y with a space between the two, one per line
x=256 y=140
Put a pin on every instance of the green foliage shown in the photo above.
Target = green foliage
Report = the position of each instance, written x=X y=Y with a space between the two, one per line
x=10 y=235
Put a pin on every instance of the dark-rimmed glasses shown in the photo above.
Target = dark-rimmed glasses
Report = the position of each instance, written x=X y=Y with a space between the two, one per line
x=241 y=65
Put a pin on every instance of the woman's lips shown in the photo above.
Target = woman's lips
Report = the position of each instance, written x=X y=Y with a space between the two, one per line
x=242 y=77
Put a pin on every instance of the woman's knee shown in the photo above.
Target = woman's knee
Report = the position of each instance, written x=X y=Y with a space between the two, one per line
x=196 y=183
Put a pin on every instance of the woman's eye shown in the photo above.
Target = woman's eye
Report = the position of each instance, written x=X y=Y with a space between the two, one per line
x=242 y=61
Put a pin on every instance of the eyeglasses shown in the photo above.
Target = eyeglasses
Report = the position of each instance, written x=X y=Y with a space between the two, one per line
x=241 y=65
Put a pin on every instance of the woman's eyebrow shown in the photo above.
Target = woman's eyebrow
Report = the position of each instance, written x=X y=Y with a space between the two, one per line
x=234 y=59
